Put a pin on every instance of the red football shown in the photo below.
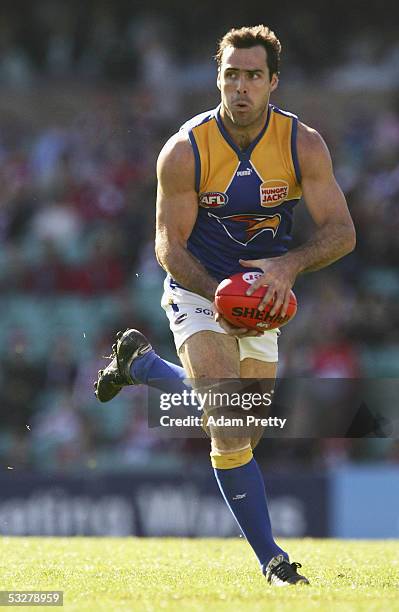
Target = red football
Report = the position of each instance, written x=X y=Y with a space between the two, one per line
x=242 y=310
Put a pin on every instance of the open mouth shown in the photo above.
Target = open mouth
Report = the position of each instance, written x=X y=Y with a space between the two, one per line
x=242 y=105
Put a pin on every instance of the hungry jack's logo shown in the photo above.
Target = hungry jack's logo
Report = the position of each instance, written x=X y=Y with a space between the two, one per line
x=244 y=228
x=273 y=193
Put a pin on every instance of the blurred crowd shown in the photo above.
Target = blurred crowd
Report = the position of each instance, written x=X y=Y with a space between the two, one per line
x=129 y=40
x=77 y=194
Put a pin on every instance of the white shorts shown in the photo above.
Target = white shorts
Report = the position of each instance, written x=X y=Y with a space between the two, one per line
x=189 y=313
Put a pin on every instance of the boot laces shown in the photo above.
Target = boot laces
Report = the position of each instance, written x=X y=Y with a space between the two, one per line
x=285 y=570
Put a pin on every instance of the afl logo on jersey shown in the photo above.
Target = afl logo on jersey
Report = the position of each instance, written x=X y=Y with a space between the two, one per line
x=273 y=193
x=213 y=199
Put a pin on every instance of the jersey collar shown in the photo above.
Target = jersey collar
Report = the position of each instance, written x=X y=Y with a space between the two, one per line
x=243 y=154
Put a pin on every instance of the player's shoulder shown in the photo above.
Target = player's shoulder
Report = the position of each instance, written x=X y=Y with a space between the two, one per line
x=198 y=120
x=176 y=150
x=311 y=148
x=309 y=141
x=280 y=112
x=176 y=159
x=176 y=163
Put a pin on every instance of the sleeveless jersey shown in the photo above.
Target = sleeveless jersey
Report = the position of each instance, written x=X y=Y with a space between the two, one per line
x=246 y=197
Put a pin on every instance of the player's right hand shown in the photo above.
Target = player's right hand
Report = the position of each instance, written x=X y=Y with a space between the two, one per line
x=232 y=330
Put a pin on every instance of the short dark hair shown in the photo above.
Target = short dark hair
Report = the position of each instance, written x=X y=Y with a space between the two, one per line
x=247 y=37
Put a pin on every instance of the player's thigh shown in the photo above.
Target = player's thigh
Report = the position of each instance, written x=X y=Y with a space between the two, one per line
x=254 y=368
x=208 y=354
x=265 y=373
x=211 y=356
x=259 y=359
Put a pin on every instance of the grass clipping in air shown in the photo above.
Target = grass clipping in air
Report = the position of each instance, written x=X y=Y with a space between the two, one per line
x=180 y=574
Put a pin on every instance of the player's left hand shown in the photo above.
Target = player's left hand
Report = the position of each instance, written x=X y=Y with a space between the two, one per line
x=233 y=330
x=279 y=274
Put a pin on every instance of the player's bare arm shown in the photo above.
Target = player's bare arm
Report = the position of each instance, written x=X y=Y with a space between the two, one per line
x=334 y=236
x=177 y=210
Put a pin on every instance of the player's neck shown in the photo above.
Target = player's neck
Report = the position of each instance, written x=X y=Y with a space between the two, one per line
x=243 y=136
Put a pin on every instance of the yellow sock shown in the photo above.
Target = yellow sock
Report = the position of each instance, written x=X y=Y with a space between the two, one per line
x=222 y=460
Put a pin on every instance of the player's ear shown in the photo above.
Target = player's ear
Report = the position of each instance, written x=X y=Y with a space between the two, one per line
x=218 y=80
x=274 y=82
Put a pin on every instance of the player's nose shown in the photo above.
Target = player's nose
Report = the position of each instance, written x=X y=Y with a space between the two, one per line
x=241 y=85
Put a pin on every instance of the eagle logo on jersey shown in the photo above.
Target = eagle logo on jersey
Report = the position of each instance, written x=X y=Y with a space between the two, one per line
x=244 y=228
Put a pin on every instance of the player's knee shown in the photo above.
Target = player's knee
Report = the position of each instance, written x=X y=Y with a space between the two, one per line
x=228 y=453
x=256 y=435
x=228 y=444
x=207 y=376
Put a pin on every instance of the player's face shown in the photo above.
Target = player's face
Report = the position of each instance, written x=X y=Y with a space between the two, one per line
x=245 y=84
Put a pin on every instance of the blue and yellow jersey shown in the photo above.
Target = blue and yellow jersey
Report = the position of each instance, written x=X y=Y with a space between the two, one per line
x=246 y=198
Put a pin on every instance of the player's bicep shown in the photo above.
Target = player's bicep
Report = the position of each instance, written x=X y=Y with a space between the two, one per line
x=176 y=216
x=322 y=194
x=177 y=200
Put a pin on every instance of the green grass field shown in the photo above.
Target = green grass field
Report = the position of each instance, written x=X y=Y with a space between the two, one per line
x=179 y=574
